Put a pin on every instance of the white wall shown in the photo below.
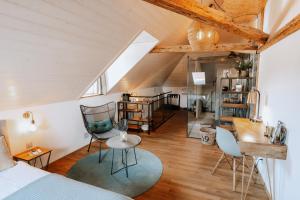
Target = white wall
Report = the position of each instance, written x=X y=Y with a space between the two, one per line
x=279 y=83
x=60 y=128
x=60 y=125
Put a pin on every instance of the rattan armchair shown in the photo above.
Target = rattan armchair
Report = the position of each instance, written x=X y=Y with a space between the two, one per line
x=99 y=122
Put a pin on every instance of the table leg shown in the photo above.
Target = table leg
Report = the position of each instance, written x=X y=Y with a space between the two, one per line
x=41 y=162
x=267 y=165
x=124 y=162
x=48 y=160
x=135 y=155
x=126 y=166
x=100 y=153
x=112 y=162
x=34 y=162
x=123 y=157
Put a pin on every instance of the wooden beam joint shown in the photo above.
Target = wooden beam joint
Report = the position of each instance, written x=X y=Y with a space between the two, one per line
x=210 y=16
x=288 y=29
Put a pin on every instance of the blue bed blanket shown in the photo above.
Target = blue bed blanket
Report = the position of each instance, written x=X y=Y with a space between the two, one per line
x=56 y=187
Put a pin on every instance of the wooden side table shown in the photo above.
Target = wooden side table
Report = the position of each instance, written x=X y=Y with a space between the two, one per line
x=33 y=154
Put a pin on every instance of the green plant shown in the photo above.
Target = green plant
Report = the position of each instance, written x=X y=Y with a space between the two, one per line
x=244 y=65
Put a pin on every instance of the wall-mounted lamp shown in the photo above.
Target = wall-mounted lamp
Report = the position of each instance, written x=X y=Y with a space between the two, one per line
x=29 y=115
x=254 y=98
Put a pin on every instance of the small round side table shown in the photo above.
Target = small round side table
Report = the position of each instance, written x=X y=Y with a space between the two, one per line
x=116 y=143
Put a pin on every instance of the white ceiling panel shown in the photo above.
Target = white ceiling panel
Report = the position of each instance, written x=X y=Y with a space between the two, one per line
x=51 y=50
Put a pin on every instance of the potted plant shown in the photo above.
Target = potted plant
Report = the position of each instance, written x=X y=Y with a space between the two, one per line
x=244 y=68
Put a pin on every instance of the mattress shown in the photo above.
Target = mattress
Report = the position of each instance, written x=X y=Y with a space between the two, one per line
x=22 y=179
x=15 y=178
x=62 y=188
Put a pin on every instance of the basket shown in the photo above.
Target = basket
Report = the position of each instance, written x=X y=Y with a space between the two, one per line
x=145 y=127
x=208 y=135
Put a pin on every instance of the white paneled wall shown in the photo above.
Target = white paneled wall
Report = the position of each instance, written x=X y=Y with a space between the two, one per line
x=51 y=51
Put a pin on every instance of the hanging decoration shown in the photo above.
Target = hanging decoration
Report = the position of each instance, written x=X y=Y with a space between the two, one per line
x=202 y=37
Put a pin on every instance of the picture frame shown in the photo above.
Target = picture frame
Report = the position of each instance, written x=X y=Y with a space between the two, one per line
x=278 y=135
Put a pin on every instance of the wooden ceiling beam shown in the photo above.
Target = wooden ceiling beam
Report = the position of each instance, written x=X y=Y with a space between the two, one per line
x=237 y=47
x=210 y=16
x=216 y=59
x=288 y=29
x=172 y=49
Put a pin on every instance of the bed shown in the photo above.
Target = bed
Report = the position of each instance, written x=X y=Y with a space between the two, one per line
x=29 y=183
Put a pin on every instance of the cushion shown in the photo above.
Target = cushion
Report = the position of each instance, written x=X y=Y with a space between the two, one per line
x=6 y=160
x=100 y=126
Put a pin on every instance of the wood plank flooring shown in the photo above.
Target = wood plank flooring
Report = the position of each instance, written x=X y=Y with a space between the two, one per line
x=187 y=166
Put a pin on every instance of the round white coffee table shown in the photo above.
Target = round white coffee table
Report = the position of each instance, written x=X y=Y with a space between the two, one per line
x=124 y=146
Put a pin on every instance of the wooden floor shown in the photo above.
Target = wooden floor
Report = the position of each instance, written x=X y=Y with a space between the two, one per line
x=187 y=164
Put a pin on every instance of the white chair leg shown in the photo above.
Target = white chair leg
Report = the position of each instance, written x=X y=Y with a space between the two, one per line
x=228 y=162
x=243 y=176
x=249 y=181
x=218 y=163
x=234 y=173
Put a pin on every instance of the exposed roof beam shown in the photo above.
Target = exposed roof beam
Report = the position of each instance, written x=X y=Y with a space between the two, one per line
x=261 y=19
x=172 y=49
x=210 y=16
x=238 y=47
x=216 y=59
x=288 y=29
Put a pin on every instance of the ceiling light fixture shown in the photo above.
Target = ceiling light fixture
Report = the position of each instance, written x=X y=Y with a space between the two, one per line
x=202 y=37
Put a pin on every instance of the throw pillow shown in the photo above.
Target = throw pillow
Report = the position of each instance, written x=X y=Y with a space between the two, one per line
x=100 y=126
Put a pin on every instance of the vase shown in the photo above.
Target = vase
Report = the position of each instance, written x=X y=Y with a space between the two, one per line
x=244 y=73
x=123 y=136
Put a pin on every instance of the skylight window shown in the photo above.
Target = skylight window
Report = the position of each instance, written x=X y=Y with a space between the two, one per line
x=199 y=78
x=139 y=47
x=136 y=50
x=97 y=88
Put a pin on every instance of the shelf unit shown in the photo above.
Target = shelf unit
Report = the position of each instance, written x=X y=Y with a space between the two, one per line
x=137 y=114
x=152 y=110
x=233 y=103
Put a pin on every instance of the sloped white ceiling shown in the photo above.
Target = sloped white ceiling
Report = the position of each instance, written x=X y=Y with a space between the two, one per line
x=160 y=73
x=151 y=71
x=178 y=77
x=51 y=50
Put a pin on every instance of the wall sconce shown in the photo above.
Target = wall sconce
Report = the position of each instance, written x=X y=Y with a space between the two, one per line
x=28 y=115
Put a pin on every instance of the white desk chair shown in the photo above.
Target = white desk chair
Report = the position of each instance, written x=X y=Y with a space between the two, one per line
x=228 y=144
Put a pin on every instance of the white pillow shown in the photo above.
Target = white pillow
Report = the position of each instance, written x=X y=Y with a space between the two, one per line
x=6 y=160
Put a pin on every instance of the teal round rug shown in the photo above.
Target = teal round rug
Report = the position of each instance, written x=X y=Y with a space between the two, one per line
x=141 y=176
